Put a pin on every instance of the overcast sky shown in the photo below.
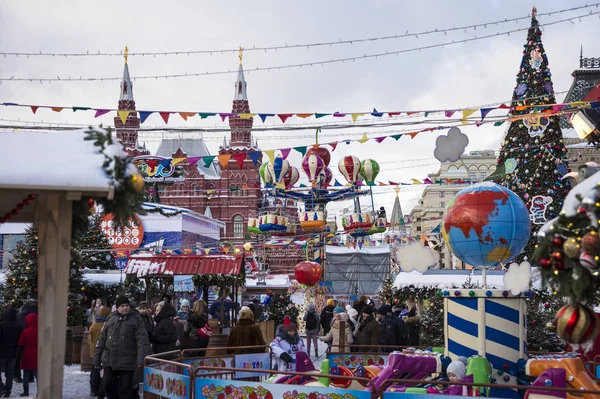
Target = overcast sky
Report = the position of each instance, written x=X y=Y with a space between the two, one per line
x=460 y=75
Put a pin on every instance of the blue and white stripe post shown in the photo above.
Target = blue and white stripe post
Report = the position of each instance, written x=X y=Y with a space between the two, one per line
x=490 y=324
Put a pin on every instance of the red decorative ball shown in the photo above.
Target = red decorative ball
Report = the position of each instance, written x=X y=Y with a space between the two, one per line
x=547 y=306
x=91 y=203
x=545 y=263
x=558 y=241
x=590 y=243
x=308 y=273
x=321 y=152
x=557 y=256
x=576 y=324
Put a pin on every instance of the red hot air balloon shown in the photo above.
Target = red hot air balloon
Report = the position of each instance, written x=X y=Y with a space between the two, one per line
x=349 y=166
x=291 y=177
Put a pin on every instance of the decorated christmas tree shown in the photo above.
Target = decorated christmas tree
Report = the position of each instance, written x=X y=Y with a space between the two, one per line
x=533 y=156
x=94 y=247
x=22 y=278
x=432 y=322
x=280 y=307
x=541 y=310
x=387 y=291
x=22 y=272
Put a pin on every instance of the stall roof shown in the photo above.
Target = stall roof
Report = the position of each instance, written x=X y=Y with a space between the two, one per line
x=164 y=265
x=271 y=281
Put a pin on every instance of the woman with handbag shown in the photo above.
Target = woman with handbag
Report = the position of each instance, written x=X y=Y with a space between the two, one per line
x=197 y=327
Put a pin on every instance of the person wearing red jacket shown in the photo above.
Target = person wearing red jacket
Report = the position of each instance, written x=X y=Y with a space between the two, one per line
x=28 y=341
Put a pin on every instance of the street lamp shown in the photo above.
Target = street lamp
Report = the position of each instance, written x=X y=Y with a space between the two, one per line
x=587 y=124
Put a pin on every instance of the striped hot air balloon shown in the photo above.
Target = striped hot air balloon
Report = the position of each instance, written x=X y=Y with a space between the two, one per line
x=278 y=169
x=349 y=166
x=264 y=173
x=369 y=170
x=291 y=177
x=328 y=175
x=312 y=166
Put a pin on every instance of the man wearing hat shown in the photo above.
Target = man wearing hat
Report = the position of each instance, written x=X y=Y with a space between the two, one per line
x=121 y=348
x=146 y=314
x=368 y=331
x=286 y=345
x=394 y=331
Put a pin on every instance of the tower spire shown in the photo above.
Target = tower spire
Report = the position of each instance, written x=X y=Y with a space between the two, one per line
x=127 y=130
x=241 y=128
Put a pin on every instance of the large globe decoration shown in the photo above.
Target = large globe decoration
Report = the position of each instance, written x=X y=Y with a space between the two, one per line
x=486 y=225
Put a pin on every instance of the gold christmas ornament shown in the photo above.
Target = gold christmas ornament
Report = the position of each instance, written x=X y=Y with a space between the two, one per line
x=549 y=326
x=576 y=324
x=571 y=249
x=138 y=181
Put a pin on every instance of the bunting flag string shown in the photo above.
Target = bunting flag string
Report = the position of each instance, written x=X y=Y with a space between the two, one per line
x=185 y=115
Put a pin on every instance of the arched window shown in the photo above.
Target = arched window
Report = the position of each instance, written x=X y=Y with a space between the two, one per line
x=238 y=226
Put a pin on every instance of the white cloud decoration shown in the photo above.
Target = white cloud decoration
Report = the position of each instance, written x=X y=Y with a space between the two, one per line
x=517 y=278
x=449 y=148
x=415 y=256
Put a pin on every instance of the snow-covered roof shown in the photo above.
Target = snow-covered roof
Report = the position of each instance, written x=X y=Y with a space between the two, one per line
x=169 y=209
x=453 y=279
x=107 y=278
x=193 y=148
x=333 y=249
x=57 y=161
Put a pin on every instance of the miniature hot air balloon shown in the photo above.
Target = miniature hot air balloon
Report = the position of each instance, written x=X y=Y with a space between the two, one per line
x=369 y=170
x=264 y=173
x=349 y=166
x=278 y=169
x=321 y=152
x=328 y=175
x=291 y=177
x=312 y=166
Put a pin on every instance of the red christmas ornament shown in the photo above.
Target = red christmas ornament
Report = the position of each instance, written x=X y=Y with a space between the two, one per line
x=91 y=203
x=558 y=241
x=591 y=244
x=321 y=152
x=557 y=256
x=576 y=324
x=308 y=273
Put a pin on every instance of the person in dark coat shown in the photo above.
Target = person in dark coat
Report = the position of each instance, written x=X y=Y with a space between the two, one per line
x=10 y=331
x=368 y=331
x=29 y=307
x=165 y=333
x=362 y=301
x=245 y=333
x=28 y=340
x=95 y=379
x=413 y=321
x=256 y=309
x=225 y=317
x=146 y=314
x=197 y=318
x=327 y=316
x=394 y=331
x=121 y=349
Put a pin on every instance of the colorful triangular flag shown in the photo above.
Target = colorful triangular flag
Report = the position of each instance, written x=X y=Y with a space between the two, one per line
x=123 y=114
x=193 y=160
x=175 y=161
x=337 y=184
x=204 y=115
x=165 y=116
x=285 y=152
x=415 y=181
x=100 y=112
x=333 y=145
x=364 y=138
x=485 y=111
x=301 y=149
x=224 y=160
x=270 y=154
x=284 y=117
x=144 y=115
x=465 y=114
x=208 y=160
x=255 y=156
x=239 y=158
x=356 y=116
x=34 y=108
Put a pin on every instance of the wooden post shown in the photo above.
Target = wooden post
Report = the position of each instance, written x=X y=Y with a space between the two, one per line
x=342 y=347
x=53 y=220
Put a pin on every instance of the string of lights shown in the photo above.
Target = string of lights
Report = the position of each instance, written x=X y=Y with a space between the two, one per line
x=298 y=65
x=338 y=42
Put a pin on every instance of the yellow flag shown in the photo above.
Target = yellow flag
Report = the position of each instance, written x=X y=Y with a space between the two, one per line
x=415 y=181
x=270 y=154
x=364 y=138
x=281 y=186
x=209 y=192
x=356 y=116
x=207 y=250
x=465 y=114
x=123 y=115
x=224 y=160
x=175 y=161
x=246 y=116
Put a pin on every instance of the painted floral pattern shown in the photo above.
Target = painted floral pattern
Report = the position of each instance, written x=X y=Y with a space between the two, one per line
x=316 y=395
x=359 y=360
x=155 y=381
x=233 y=392
x=177 y=387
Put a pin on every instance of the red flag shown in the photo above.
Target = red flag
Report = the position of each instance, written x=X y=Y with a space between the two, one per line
x=503 y=106
x=333 y=145
x=165 y=116
x=284 y=117
x=394 y=113
x=393 y=183
x=34 y=108
x=239 y=158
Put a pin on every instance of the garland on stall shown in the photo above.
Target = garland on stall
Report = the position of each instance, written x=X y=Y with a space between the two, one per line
x=317 y=289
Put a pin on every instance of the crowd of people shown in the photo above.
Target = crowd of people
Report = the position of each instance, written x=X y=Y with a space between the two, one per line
x=18 y=348
x=121 y=337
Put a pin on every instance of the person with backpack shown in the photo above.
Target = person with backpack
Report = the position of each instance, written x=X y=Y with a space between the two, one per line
x=10 y=331
x=327 y=315
x=394 y=331
x=312 y=321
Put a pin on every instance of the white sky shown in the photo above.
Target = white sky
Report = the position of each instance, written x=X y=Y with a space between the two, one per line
x=461 y=75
